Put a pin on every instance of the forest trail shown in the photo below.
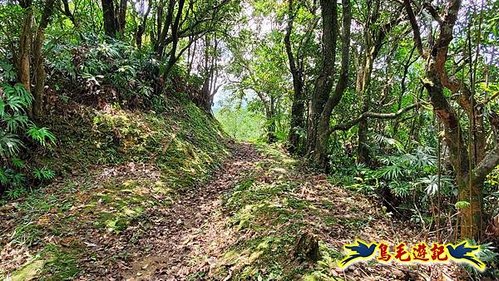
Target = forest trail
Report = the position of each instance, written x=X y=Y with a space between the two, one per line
x=249 y=216
x=178 y=229
x=242 y=224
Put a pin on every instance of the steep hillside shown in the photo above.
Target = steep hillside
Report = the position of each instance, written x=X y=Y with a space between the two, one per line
x=113 y=167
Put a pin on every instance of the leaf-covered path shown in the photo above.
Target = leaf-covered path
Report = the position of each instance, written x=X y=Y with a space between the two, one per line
x=164 y=252
x=243 y=224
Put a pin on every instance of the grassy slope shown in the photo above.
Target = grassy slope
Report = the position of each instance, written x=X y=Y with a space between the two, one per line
x=114 y=165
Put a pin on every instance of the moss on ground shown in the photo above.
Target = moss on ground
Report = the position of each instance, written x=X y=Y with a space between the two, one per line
x=113 y=167
x=271 y=208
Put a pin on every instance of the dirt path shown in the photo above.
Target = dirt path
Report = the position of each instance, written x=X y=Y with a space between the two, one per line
x=176 y=229
x=243 y=222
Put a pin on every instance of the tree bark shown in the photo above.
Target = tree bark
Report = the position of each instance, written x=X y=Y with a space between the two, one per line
x=23 y=65
x=109 y=18
x=318 y=153
x=469 y=175
x=271 y=122
x=373 y=36
x=324 y=82
x=121 y=18
x=38 y=62
x=175 y=37
x=297 y=122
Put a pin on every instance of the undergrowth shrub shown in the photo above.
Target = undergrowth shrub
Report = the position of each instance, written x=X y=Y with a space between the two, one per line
x=17 y=132
x=408 y=182
x=97 y=71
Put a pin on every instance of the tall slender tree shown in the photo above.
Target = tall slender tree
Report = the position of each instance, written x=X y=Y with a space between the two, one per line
x=323 y=101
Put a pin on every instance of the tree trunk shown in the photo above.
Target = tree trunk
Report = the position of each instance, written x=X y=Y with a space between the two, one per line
x=142 y=28
x=40 y=74
x=121 y=19
x=23 y=67
x=297 y=123
x=471 y=217
x=271 y=122
x=39 y=65
x=175 y=37
x=109 y=18
x=363 y=147
x=318 y=153
x=323 y=83
x=362 y=89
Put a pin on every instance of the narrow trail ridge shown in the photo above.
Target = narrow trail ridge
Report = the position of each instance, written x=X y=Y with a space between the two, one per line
x=243 y=224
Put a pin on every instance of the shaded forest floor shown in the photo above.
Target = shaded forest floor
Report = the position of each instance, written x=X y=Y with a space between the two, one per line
x=243 y=224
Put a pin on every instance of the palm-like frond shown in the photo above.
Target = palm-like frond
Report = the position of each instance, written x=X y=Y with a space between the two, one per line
x=10 y=144
x=41 y=135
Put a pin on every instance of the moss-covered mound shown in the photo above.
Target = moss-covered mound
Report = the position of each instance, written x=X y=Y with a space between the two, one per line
x=112 y=166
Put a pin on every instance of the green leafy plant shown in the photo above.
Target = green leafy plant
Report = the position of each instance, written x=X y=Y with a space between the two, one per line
x=43 y=174
x=15 y=129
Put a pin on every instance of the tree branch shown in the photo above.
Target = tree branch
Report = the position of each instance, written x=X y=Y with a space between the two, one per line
x=348 y=125
x=415 y=28
x=433 y=12
x=489 y=162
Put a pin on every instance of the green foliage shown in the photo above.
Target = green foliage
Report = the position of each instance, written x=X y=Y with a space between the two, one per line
x=411 y=177
x=462 y=205
x=41 y=135
x=241 y=124
x=43 y=174
x=16 y=128
x=111 y=70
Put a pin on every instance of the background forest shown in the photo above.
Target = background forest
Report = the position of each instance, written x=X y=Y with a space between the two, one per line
x=396 y=101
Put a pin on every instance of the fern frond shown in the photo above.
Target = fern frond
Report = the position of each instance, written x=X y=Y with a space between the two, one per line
x=41 y=135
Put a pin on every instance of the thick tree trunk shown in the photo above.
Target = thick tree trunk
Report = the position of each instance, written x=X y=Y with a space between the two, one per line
x=38 y=62
x=323 y=83
x=318 y=151
x=362 y=89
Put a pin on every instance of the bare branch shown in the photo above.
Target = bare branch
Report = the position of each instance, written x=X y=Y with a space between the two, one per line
x=415 y=28
x=348 y=125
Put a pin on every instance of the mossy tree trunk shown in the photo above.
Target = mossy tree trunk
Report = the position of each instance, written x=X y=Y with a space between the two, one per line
x=24 y=55
x=38 y=63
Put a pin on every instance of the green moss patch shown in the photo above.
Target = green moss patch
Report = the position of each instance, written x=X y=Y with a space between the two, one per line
x=269 y=211
x=115 y=166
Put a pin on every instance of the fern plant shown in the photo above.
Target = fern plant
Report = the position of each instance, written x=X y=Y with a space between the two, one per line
x=15 y=128
x=411 y=176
